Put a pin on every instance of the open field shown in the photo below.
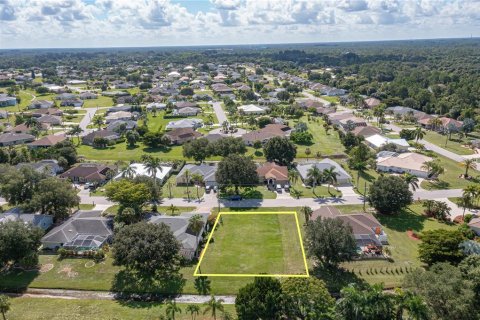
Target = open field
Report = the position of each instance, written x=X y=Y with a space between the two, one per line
x=101 y=101
x=455 y=145
x=253 y=243
x=60 y=309
x=450 y=179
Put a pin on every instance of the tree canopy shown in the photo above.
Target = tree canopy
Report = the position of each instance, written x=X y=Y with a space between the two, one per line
x=389 y=194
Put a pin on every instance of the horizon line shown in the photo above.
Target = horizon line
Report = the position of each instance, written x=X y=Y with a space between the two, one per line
x=240 y=44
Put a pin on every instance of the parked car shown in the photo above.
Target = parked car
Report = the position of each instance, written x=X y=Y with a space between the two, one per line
x=279 y=188
x=207 y=189
x=286 y=187
x=215 y=189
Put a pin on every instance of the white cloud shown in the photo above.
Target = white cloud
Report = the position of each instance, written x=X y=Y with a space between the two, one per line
x=76 y=23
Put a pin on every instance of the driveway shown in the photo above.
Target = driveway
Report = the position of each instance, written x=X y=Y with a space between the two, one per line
x=221 y=116
x=86 y=120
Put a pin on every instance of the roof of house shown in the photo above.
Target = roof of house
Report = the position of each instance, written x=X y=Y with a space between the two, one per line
x=92 y=171
x=372 y=102
x=83 y=223
x=205 y=170
x=251 y=108
x=407 y=160
x=271 y=170
x=212 y=137
x=378 y=141
x=270 y=131
x=185 y=104
x=322 y=165
x=366 y=131
x=48 y=141
x=187 y=110
x=100 y=134
x=184 y=123
x=140 y=170
x=182 y=133
x=325 y=212
x=17 y=214
x=12 y=137
x=50 y=119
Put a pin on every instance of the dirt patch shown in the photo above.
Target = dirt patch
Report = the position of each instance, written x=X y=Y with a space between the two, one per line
x=46 y=267
x=68 y=271
x=89 y=264
x=412 y=235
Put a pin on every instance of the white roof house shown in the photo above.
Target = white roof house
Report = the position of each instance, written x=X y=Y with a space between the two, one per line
x=174 y=74
x=251 y=109
x=377 y=141
x=407 y=162
x=184 y=123
x=140 y=170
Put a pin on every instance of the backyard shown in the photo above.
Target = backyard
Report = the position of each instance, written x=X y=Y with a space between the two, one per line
x=250 y=243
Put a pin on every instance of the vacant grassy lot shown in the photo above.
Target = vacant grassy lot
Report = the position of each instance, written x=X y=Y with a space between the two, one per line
x=254 y=244
x=450 y=179
x=455 y=145
x=60 y=309
x=101 y=101
x=171 y=190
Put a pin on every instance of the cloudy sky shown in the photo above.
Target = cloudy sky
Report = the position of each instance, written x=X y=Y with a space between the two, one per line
x=105 y=23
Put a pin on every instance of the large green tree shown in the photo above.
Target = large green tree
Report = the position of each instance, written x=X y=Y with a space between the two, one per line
x=389 y=194
x=19 y=243
x=261 y=299
x=280 y=150
x=198 y=149
x=228 y=145
x=441 y=246
x=235 y=170
x=330 y=241
x=307 y=298
x=148 y=248
x=128 y=194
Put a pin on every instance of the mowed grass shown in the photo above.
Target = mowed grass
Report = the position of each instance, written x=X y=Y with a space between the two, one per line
x=254 y=244
x=326 y=144
x=61 y=309
x=455 y=145
x=450 y=179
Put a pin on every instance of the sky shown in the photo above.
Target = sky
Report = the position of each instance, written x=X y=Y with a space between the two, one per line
x=135 y=23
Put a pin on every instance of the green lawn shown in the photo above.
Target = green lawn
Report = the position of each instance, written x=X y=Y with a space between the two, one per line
x=85 y=206
x=60 y=309
x=101 y=101
x=258 y=192
x=451 y=178
x=254 y=244
x=162 y=209
x=331 y=99
x=171 y=190
x=319 y=192
x=454 y=145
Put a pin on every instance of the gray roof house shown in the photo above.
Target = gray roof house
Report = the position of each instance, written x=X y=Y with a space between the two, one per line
x=85 y=230
x=343 y=178
x=6 y=100
x=115 y=125
x=184 y=123
x=179 y=226
x=49 y=166
x=11 y=139
x=42 y=221
x=186 y=112
x=207 y=171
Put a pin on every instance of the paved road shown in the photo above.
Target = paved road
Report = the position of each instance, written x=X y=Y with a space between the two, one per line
x=311 y=96
x=108 y=295
x=221 y=116
x=86 y=120
x=441 y=151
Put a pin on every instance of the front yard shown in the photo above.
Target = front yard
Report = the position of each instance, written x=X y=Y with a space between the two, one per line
x=456 y=145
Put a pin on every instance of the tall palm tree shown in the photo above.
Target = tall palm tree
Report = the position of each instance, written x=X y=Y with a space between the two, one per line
x=418 y=134
x=195 y=223
x=411 y=180
x=435 y=123
x=171 y=309
x=465 y=202
x=472 y=191
x=197 y=179
x=173 y=209
x=31 y=122
x=330 y=176
x=152 y=164
x=129 y=172
x=213 y=305
x=315 y=176
x=408 y=301
x=4 y=305
x=193 y=309
x=360 y=167
x=469 y=164
x=76 y=130
x=98 y=121
x=307 y=212
x=187 y=181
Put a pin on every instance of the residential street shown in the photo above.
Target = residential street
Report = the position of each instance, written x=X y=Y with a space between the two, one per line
x=86 y=120
x=441 y=151
x=219 y=112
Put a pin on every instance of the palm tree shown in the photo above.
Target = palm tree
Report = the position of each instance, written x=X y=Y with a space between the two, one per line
x=308 y=152
x=172 y=309
x=213 y=305
x=173 y=209
x=151 y=166
x=4 y=305
x=210 y=119
x=415 y=306
x=76 y=130
x=435 y=123
x=330 y=176
x=418 y=134
x=31 y=122
x=98 y=121
x=293 y=176
x=360 y=167
x=466 y=202
x=469 y=164
x=472 y=191
x=195 y=223
x=197 y=179
x=187 y=180
x=193 y=309
x=411 y=180
x=307 y=212
x=129 y=172
x=314 y=175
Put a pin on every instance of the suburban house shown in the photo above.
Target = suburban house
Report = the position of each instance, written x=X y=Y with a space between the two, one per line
x=118 y=124
x=117 y=108
x=37 y=113
x=139 y=169
x=343 y=178
x=407 y=162
x=182 y=135
x=48 y=166
x=365 y=227
x=87 y=95
x=11 y=139
x=72 y=103
x=179 y=225
x=50 y=120
x=251 y=109
x=4 y=114
x=207 y=171
x=265 y=134
x=377 y=141
x=186 y=112
x=185 y=104
x=41 y=104
x=107 y=134
x=85 y=230
x=87 y=172
x=47 y=141
x=272 y=174
x=184 y=123
x=371 y=103
x=119 y=115
x=446 y=123
x=158 y=106
x=42 y=221
x=365 y=132
x=6 y=100
x=22 y=128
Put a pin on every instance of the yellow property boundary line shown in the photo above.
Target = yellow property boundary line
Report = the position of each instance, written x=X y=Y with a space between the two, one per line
x=196 y=274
